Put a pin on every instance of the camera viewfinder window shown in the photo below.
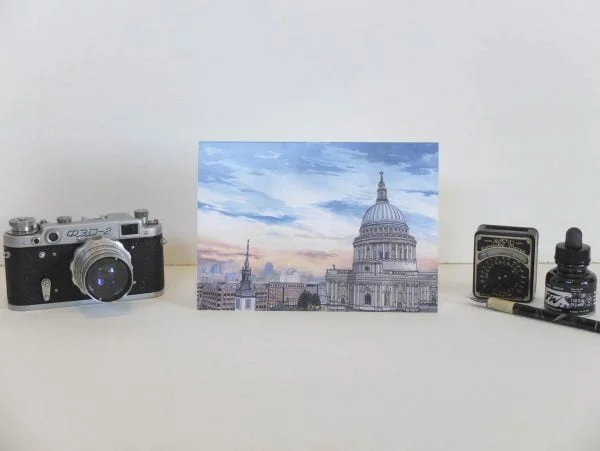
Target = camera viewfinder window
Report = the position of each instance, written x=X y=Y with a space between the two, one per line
x=129 y=229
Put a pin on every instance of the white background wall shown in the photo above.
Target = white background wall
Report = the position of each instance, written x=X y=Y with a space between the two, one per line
x=102 y=103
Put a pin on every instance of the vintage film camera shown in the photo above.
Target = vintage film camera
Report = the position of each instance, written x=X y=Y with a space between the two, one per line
x=109 y=258
x=505 y=262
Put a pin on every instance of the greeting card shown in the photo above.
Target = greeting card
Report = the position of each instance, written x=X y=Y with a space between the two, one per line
x=318 y=226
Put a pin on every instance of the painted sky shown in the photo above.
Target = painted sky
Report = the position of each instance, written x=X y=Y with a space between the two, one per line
x=301 y=204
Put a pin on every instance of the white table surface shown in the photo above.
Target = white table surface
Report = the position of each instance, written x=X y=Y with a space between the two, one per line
x=159 y=375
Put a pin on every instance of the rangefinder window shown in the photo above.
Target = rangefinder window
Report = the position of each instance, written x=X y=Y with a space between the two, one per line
x=129 y=229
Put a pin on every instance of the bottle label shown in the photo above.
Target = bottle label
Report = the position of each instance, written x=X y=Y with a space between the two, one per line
x=575 y=301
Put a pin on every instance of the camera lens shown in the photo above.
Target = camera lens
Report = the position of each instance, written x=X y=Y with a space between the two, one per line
x=102 y=270
x=53 y=236
x=108 y=279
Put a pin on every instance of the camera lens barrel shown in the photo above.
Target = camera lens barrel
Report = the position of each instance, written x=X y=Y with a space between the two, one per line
x=102 y=269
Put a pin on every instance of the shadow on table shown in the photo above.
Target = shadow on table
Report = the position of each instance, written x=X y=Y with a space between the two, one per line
x=108 y=310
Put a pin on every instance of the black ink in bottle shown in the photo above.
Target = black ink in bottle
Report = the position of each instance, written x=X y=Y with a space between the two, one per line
x=571 y=286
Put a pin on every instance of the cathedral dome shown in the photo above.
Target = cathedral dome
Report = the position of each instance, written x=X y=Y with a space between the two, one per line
x=382 y=211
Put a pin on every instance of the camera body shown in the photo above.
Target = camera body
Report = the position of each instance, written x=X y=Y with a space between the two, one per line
x=505 y=262
x=109 y=258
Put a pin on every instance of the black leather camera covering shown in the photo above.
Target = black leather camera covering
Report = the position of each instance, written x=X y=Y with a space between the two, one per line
x=25 y=271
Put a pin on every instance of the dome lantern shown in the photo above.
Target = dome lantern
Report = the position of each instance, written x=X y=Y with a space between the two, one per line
x=381 y=189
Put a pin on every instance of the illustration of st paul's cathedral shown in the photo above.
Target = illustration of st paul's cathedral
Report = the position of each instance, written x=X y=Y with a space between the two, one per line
x=384 y=274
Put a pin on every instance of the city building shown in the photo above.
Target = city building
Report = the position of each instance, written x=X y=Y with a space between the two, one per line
x=233 y=296
x=322 y=292
x=216 y=296
x=232 y=277
x=269 y=274
x=260 y=292
x=275 y=295
x=221 y=296
x=283 y=295
x=210 y=278
x=384 y=274
x=290 y=275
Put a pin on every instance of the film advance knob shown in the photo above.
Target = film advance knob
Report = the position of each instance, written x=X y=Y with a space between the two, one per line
x=64 y=219
x=23 y=225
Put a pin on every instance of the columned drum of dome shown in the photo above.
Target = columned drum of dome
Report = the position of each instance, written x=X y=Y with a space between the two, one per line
x=384 y=274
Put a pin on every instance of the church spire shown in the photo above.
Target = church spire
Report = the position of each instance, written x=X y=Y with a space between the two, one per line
x=381 y=189
x=247 y=262
x=246 y=282
x=245 y=296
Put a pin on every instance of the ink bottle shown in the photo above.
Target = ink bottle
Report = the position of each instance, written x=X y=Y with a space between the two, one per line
x=571 y=286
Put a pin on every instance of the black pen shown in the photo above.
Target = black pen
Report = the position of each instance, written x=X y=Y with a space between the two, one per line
x=516 y=308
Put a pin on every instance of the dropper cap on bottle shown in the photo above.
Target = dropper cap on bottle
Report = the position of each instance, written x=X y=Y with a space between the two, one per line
x=572 y=251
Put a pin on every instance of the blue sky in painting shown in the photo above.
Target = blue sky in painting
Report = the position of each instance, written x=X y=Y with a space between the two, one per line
x=301 y=204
